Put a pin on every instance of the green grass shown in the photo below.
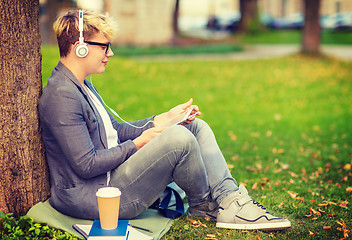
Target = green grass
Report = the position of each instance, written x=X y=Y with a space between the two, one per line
x=284 y=126
x=234 y=43
x=294 y=37
x=213 y=48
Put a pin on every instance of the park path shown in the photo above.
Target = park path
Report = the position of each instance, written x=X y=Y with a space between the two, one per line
x=254 y=52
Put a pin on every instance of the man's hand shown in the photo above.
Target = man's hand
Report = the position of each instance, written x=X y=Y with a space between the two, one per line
x=174 y=112
x=147 y=136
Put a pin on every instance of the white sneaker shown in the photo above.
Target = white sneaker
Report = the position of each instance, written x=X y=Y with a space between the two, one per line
x=239 y=211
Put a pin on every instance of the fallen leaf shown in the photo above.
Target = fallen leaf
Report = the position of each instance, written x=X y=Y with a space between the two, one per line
x=347 y=166
x=311 y=234
x=326 y=203
x=232 y=136
x=255 y=185
x=235 y=158
x=281 y=150
x=292 y=174
x=249 y=169
x=321 y=210
x=285 y=166
x=196 y=223
x=344 y=228
x=277 y=117
x=293 y=194
x=327 y=227
x=259 y=166
x=349 y=189
x=344 y=204
x=230 y=166
x=323 y=204
x=313 y=212
x=211 y=236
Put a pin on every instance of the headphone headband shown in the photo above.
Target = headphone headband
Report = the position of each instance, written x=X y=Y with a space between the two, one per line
x=80 y=24
x=81 y=49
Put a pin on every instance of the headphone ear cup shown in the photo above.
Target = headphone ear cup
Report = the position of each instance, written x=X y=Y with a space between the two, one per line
x=81 y=50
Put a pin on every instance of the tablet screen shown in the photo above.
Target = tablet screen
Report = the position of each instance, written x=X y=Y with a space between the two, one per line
x=178 y=119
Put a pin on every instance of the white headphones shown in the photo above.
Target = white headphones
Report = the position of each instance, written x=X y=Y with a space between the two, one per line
x=81 y=49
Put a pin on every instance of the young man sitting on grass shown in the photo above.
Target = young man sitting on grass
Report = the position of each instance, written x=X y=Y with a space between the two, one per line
x=86 y=148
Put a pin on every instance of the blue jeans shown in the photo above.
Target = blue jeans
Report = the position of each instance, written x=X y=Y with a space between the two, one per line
x=187 y=154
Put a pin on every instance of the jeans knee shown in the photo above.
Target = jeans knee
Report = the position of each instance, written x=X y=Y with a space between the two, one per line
x=180 y=136
x=199 y=126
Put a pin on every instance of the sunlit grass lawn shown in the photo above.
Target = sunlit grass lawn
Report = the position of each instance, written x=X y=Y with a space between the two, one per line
x=284 y=126
x=295 y=37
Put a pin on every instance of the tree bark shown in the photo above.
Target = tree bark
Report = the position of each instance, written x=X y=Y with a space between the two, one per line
x=175 y=18
x=249 y=15
x=23 y=171
x=311 y=29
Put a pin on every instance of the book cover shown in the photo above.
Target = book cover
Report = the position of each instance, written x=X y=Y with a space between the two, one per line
x=133 y=233
x=96 y=232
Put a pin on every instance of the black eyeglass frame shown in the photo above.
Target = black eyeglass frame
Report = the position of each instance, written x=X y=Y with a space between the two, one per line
x=107 y=45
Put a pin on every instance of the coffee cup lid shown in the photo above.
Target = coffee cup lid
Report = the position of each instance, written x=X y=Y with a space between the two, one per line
x=108 y=192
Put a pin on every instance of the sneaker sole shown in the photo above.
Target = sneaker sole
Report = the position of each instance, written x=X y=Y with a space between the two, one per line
x=201 y=215
x=253 y=226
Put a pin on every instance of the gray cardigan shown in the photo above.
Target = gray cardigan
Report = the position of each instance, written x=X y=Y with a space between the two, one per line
x=76 y=145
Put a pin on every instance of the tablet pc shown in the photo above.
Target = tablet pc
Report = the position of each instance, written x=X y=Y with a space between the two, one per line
x=183 y=116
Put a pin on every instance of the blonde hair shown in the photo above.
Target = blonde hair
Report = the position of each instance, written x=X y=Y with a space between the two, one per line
x=67 y=32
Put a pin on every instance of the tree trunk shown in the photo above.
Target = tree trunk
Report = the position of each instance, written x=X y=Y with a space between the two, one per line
x=175 y=29
x=249 y=16
x=311 y=29
x=175 y=18
x=24 y=175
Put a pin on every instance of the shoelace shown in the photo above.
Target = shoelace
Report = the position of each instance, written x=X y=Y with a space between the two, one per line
x=259 y=205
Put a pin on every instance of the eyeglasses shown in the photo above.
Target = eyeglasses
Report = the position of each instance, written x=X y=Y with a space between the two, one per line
x=107 y=45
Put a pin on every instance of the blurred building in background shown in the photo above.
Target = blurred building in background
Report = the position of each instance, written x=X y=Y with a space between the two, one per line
x=142 y=22
x=149 y=22
x=275 y=14
x=276 y=8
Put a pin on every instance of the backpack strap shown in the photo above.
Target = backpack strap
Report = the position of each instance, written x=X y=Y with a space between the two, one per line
x=164 y=204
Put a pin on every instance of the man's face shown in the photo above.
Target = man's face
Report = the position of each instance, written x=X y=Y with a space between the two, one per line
x=98 y=54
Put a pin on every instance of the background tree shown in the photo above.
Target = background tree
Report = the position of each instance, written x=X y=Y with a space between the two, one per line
x=175 y=19
x=311 y=29
x=24 y=176
x=50 y=9
x=249 y=21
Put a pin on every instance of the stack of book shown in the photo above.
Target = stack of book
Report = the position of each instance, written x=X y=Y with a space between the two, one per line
x=123 y=232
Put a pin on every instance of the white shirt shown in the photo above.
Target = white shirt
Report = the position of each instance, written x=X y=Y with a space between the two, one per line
x=111 y=133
